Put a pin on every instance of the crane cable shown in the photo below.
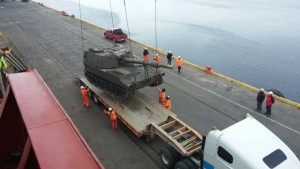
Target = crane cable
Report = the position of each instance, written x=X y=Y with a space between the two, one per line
x=129 y=38
x=111 y=14
x=155 y=31
x=156 y=70
x=81 y=27
x=112 y=19
x=128 y=27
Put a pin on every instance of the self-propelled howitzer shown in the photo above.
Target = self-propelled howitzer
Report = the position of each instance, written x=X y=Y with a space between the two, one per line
x=116 y=70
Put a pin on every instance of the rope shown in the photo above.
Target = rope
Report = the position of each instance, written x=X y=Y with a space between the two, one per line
x=81 y=28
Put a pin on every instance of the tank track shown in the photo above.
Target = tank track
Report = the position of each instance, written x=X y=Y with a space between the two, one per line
x=112 y=88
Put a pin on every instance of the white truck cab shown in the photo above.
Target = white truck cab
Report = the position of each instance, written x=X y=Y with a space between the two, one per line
x=247 y=145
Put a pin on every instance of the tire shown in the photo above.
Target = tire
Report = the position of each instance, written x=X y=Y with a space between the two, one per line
x=175 y=153
x=189 y=163
x=181 y=165
x=167 y=158
x=95 y=99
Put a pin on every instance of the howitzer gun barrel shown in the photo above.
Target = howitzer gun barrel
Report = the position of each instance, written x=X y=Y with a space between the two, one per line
x=143 y=62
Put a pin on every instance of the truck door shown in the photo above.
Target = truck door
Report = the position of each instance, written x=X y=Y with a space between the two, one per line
x=224 y=158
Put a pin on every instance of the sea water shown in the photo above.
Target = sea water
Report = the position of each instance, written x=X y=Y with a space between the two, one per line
x=253 y=41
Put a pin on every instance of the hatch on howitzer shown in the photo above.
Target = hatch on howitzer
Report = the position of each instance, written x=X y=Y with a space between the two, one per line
x=116 y=70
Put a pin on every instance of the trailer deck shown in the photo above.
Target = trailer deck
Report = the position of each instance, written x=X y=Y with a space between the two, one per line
x=143 y=116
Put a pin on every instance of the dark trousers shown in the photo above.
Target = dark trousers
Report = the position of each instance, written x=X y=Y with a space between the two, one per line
x=268 y=110
x=169 y=62
x=259 y=105
x=179 y=68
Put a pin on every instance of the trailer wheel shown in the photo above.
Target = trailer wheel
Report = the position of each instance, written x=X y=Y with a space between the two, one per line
x=181 y=165
x=175 y=153
x=167 y=157
x=189 y=163
x=95 y=99
x=185 y=164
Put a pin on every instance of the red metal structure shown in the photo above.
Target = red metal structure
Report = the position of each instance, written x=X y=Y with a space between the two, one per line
x=35 y=131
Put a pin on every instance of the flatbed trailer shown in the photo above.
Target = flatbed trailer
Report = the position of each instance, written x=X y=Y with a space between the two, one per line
x=145 y=117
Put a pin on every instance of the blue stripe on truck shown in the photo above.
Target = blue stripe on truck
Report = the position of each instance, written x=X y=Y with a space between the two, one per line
x=207 y=165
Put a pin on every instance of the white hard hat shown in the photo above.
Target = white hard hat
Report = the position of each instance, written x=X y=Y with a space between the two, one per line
x=178 y=56
x=270 y=92
x=81 y=87
x=156 y=54
x=170 y=51
x=262 y=89
x=145 y=48
x=110 y=109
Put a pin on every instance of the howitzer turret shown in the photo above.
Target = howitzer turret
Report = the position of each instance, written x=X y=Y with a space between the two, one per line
x=116 y=70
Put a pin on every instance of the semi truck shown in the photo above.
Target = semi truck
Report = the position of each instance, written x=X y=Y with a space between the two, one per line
x=244 y=145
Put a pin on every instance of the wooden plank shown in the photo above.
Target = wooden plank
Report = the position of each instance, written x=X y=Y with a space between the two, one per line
x=185 y=142
x=166 y=137
x=168 y=125
x=182 y=133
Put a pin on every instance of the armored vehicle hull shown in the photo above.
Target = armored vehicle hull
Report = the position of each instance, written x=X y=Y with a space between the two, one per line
x=115 y=70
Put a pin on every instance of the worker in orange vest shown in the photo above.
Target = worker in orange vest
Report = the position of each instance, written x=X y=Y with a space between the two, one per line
x=146 y=54
x=113 y=116
x=84 y=92
x=162 y=95
x=157 y=58
x=168 y=104
x=179 y=63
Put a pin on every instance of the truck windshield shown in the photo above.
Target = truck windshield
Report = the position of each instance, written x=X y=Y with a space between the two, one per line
x=275 y=158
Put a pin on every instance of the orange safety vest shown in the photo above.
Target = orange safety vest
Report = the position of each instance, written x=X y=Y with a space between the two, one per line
x=179 y=62
x=146 y=57
x=161 y=97
x=157 y=58
x=168 y=104
x=113 y=115
x=84 y=92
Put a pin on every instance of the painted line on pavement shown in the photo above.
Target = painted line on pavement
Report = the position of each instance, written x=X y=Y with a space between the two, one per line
x=274 y=121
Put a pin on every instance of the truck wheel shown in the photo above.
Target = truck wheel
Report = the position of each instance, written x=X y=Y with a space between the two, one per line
x=175 y=153
x=95 y=99
x=181 y=165
x=189 y=163
x=167 y=157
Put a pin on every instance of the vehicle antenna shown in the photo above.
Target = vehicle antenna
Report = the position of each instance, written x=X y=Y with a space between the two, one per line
x=129 y=38
x=81 y=27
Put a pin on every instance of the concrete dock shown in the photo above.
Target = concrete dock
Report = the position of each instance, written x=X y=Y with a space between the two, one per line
x=52 y=44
